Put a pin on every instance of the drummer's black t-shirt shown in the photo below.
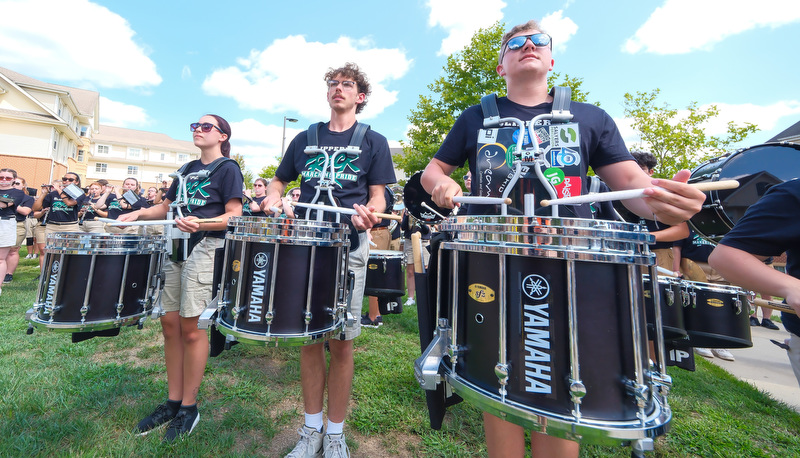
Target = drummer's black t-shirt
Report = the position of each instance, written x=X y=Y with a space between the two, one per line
x=695 y=247
x=60 y=212
x=20 y=200
x=769 y=228
x=207 y=196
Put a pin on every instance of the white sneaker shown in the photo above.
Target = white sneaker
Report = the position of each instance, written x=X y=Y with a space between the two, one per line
x=722 y=353
x=704 y=352
x=335 y=446
x=309 y=445
x=410 y=301
x=28 y=256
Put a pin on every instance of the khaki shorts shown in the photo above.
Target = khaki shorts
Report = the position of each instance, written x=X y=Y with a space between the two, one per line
x=39 y=234
x=408 y=251
x=111 y=229
x=30 y=225
x=380 y=237
x=20 y=233
x=187 y=284
x=357 y=262
x=93 y=227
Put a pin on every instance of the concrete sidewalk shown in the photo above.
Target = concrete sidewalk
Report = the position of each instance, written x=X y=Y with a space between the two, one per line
x=765 y=365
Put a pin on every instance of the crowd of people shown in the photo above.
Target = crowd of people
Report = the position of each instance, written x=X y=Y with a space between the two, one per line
x=524 y=61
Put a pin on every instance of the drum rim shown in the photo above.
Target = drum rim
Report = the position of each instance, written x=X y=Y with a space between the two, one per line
x=104 y=243
x=645 y=259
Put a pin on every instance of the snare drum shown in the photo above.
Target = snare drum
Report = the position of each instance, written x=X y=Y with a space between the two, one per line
x=93 y=282
x=669 y=289
x=284 y=281
x=542 y=323
x=756 y=168
x=385 y=276
x=716 y=316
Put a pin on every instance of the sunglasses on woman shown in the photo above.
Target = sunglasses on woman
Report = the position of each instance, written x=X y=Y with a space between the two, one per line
x=16 y=183
x=68 y=179
x=205 y=127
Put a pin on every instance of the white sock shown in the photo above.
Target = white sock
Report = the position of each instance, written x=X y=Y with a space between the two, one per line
x=314 y=420
x=335 y=428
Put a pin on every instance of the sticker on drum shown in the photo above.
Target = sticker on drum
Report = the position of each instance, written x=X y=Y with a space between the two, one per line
x=756 y=169
x=716 y=316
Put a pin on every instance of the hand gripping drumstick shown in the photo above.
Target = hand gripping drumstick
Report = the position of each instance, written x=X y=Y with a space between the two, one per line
x=154 y=222
x=634 y=193
x=346 y=211
x=774 y=305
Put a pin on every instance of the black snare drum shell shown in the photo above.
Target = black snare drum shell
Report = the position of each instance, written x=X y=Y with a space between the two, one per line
x=671 y=310
x=385 y=276
x=713 y=321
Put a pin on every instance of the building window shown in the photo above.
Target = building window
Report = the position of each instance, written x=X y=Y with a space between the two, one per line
x=80 y=155
x=134 y=152
x=84 y=129
x=163 y=156
x=100 y=167
x=103 y=149
x=183 y=158
x=133 y=170
x=159 y=177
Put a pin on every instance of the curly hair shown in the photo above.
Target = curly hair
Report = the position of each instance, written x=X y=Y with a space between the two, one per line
x=351 y=70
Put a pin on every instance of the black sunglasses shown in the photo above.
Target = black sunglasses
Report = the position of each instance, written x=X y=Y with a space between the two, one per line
x=16 y=183
x=206 y=127
x=68 y=179
x=539 y=40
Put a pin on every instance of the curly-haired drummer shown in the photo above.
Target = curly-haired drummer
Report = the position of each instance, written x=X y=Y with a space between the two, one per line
x=188 y=283
x=524 y=61
x=360 y=183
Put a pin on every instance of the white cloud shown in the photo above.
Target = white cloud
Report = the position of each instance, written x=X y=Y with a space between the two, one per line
x=287 y=76
x=461 y=19
x=682 y=26
x=100 y=50
x=766 y=117
x=259 y=143
x=560 y=28
x=120 y=114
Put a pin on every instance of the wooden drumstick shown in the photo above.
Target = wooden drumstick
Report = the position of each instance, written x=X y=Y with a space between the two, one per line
x=416 y=238
x=345 y=211
x=774 y=305
x=634 y=193
x=154 y=222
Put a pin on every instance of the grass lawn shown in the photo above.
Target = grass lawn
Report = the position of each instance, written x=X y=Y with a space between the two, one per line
x=63 y=399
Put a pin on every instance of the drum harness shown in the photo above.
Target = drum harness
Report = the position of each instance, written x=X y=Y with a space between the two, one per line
x=325 y=185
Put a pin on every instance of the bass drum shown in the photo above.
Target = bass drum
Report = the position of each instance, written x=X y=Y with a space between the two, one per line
x=756 y=168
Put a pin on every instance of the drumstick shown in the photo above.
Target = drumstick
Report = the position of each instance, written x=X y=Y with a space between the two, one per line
x=346 y=211
x=425 y=204
x=774 y=305
x=154 y=222
x=478 y=200
x=634 y=193
x=415 y=250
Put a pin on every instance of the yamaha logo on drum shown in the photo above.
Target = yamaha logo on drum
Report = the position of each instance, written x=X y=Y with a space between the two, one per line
x=55 y=267
x=716 y=303
x=481 y=293
x=536 y=334
x=261 y=260
x=535 y=287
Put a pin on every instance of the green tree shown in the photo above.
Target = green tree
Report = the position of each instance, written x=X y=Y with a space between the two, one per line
x=468 y=75
x=268 y=172
x=678 y=143
x=248 y=175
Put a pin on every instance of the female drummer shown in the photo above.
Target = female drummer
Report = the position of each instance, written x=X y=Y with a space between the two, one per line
x=187 y=284
x=119 y=205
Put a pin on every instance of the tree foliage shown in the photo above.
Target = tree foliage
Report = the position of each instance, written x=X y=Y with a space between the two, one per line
x=268 y=172
x=678 y=143
x=468 y=75
x=248 y=175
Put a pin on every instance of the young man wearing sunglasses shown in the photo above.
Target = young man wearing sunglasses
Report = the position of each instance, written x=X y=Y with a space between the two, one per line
x=359 y=184
x=524 y=61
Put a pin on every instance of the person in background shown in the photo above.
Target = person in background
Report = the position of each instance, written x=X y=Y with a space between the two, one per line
x=119 y=205
x=259 y=193
x=770 y=227
x=21 y=218
x=91 y=211
x=13 y=201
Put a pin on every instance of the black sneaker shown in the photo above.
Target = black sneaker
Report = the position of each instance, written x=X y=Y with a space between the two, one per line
x=366 y=322
x=767 y=323
x=754 y=321
x=161 y=416
x=8 y=278
x=183 y=424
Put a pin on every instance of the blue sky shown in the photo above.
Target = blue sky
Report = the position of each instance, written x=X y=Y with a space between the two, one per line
x=161 y=65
